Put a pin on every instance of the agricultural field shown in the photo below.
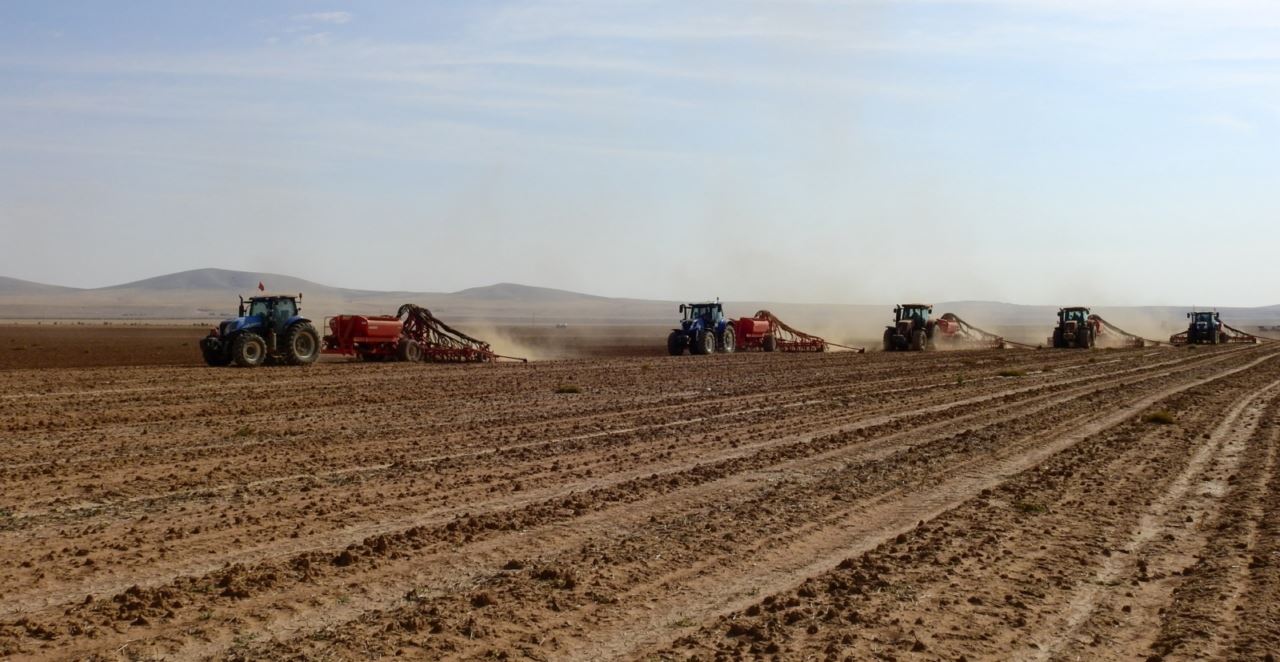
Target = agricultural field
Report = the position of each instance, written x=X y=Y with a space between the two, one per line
x=1107 y=504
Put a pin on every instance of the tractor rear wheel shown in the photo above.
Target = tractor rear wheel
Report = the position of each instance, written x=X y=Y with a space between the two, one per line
x=675 y=343
x=728 y=340
x=770 y=343
x=1058 y=343
x=409 y=350
x=888 y=340
x=301 y=344
x=248 y=350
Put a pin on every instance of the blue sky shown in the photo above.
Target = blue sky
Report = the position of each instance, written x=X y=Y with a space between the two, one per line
x=1040 y=151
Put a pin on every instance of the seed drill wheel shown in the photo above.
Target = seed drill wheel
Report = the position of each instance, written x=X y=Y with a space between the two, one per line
x=409 y=350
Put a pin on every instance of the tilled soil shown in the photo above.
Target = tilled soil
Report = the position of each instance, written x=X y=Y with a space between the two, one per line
x=944 y=505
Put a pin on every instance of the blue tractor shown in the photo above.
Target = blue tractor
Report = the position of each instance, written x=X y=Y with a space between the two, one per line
x=269 y=329
x=703 y=330
x=1205 y=329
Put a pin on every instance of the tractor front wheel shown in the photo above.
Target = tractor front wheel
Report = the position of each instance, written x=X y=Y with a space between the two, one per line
x=919 y=340
x=728 y=340
x=216 y=358
x=301 y=344
x=248 y=350
x=675 y=343
x=1084 y=340
x=704 y=343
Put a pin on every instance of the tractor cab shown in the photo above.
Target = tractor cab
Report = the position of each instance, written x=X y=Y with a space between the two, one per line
x=266 y=329
x=709 y=314
x=273 y=311
x=1203 y=319
x=912 y=312
x=1077 y=314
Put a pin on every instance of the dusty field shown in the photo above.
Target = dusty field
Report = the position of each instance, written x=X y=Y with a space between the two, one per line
x=93 y=344
x=910 y=506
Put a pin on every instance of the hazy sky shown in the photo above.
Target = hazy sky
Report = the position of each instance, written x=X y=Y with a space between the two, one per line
x=1034 y=151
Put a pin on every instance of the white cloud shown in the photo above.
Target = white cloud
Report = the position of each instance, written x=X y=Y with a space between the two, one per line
x=333 y=17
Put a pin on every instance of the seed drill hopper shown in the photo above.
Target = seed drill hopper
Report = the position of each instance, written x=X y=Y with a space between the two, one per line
x=774 y=334
x=413 y=334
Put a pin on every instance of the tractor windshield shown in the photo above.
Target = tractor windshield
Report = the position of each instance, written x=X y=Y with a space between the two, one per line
x=694 y=312
x=915 y=312
x=284 y=308
x=1073 y=315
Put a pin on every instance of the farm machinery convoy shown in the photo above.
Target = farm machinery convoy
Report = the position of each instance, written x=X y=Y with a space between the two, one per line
x=271 y=329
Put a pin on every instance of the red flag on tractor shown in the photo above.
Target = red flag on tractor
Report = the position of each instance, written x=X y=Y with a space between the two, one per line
x=261 y=287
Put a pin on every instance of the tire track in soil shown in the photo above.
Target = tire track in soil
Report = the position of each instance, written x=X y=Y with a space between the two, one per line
x=721 y=593
x=355 y=534
x=951 y=405
x=204 y=490
x=479 y=565
x=691 y=497
x=935 y=592
x=1166 y=516
x=690 y=401
x=1206 y=615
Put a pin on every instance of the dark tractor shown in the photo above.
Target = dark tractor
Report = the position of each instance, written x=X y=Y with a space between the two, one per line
x=912 y=329
x=268 y=330
x=703 y=330
x=1205 y=329
x=1076 y=328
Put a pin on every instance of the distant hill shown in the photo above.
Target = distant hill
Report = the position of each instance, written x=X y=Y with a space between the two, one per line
x=224 y=280
x=18 y=286
x=515 y=292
